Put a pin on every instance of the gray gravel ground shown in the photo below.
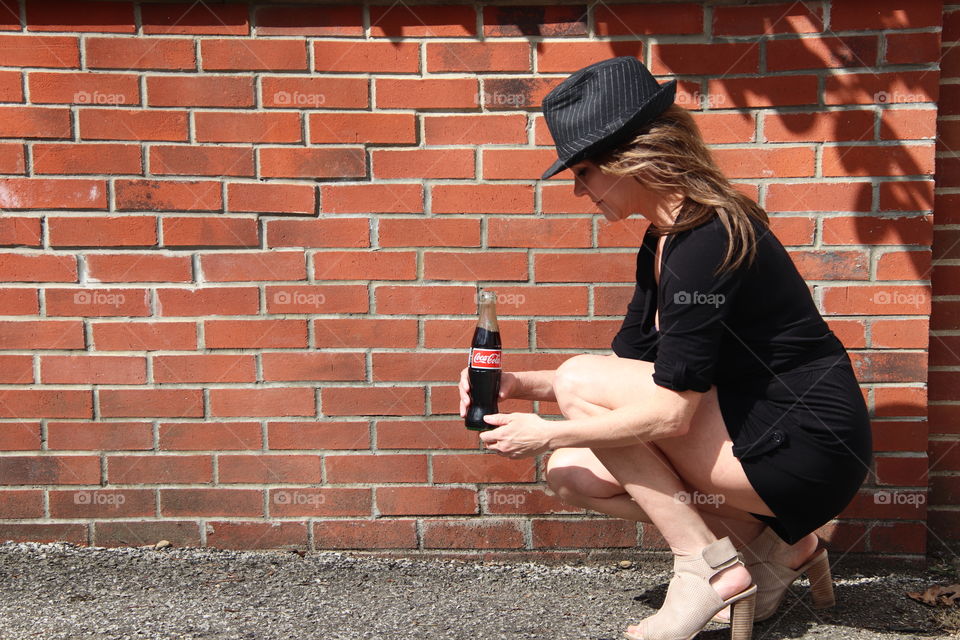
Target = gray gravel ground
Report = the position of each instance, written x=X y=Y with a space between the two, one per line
x=59 y=590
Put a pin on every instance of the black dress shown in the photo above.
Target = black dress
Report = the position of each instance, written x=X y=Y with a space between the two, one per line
x=785 y=384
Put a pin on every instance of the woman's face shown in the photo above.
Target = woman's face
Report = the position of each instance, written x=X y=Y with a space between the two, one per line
x=618 y=197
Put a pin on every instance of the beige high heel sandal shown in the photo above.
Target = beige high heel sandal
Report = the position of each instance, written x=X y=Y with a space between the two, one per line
x=691 y=600
x=773 y=579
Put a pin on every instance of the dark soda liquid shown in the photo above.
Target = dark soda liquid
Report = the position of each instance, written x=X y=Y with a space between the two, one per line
x=484 y=384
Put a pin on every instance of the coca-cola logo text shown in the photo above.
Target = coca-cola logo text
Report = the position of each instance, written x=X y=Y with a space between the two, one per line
x=485 y=358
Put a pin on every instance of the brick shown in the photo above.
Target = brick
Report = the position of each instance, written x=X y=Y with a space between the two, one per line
x=766 y=19
x=365 y=265
x=317 y=299
x=311 y=163
x=880 y=88
x=942 y=383
x=524 y=500
x=944 y=456
x=771 y=91
x=478 y=57
x=252 y=54
x=365 y=534
x=782 y=162
x=434 y=232
x=560 y=56
x=516 y=93
x=906 y=196
x=560 y=198
x=365 y=332
x=455 y=334
x=534 y=20
x=425 y=501
x=162 y=403
x=102 y=231
x=12 y=158
x=326 y=20
x=129 y=124
x=127 y=267
x=832 y=126
x=850 y=196
x=870 y=300
x=482 y=198
x=11 y=86
x=943 y=350
x=208 y=436
x=227 y=126
x=576 y=334
x=41 y=334
x=151 y=195
x=903 y=471
x=204 y=301
x=28 y=532
x=20 y=435
x=360 y=57
x=704 y=59
x=195 y=231
x=473 y=129
x=257 y=535
x=556 y=533
x=144 y=336
x=424 y=434
x=376 y=468
x=209 y=502
x=718 y=128
x=900 y=334
x=320 y=502
x=38 y=267
x=102 y=503
x=315 y=93
x=822 y=53
x=832 y=265
x=17 y=503
x=97 y=302
x=481 y=468
x=368 y=128
x=52 y=470
x=271 y=198
x=62 y=15
x=90 y=369
x=442 y=299
x=187 y=18
x=943 y=418
x=422 y=21
x=40 y=51
x=268 y=469
x=189 y=160
x=140 y=53
x=569 y=267
x=899 y=537
x=516 y=164
x=253 y=266
x=885 y=366
x=490 y=265
x=416 y=366
x=904 y=265
x=899 y=436
x=200 y=91
x=34 y=122
x=319 y=435
x=431 y=93
x=910 y=124
x=87 y=158
x=126 y=533
x=877 y=230
x=295 y=401
x=472 y=534
x=372 y=401
x=914 y=159
x=16 y=370
x=83 y=88
x=900 y=401
x=912 y=48
x=204 y=367
x=255 y=334
x=329 y=232
x=884 y=14
x=648 y=19
x=423 y=163
x=313 y=366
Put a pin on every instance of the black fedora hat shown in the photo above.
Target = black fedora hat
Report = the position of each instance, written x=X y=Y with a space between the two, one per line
x=599 y=106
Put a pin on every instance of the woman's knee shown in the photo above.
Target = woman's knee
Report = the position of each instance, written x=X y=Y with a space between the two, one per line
x=571 y=473
x=572 y=377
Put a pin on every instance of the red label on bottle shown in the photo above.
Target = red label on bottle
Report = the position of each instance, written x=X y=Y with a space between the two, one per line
x=485 y=358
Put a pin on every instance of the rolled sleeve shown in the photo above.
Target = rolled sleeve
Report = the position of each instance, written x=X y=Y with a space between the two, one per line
x=695 y=305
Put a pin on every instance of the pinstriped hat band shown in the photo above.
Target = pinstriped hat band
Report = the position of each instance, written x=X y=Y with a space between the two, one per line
x=599 y=106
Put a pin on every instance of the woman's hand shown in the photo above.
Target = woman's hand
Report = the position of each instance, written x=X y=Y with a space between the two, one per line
x=518 y=435
x=509 y=383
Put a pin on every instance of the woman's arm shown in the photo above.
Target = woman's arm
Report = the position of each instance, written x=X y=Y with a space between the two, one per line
x=535 y=385
x=663 y=414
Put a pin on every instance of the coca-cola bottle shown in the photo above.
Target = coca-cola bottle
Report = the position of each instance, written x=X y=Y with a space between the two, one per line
x=484 y=366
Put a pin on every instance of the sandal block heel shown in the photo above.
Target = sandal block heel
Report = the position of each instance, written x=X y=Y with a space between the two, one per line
x=821 y=582
x=741 y=625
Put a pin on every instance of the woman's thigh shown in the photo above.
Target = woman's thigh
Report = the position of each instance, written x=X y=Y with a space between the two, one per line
x=703 y=457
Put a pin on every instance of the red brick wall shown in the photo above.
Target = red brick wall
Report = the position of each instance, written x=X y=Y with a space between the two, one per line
x=240 y=246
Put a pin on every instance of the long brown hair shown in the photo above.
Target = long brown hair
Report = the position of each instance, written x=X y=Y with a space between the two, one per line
x=669 y=154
